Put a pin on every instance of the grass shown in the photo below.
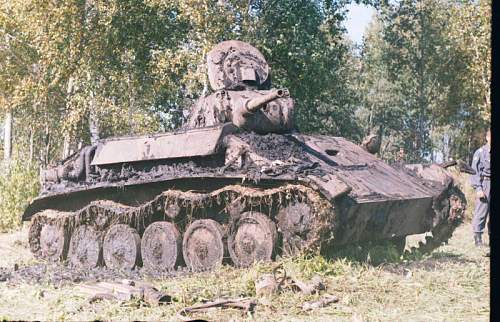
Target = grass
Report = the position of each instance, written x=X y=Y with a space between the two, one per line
x=451 y=284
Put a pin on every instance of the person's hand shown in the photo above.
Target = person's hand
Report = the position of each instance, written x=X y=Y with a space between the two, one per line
x=480 y=195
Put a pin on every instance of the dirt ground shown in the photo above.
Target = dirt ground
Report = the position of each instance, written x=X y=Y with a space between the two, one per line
x=451 y=284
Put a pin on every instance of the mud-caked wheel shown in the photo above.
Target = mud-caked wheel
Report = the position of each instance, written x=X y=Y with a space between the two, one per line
x=122 y=247
x=53 y=242
x=85 y=247
x=252 y=238
x=160 y=246
x=202 y=245
x=295 y=223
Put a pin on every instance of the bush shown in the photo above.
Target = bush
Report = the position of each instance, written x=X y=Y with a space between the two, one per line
x=18 y=186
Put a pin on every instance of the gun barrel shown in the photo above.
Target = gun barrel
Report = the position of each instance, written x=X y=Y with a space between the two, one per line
x=447 y=164
x=257 y=103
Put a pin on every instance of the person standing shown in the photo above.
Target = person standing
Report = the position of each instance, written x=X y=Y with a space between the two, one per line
x=480 y=181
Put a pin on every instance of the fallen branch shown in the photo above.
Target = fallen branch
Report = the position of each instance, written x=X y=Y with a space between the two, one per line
x=124 y=291
x=268 y=284
x=245 y=304
x=102 y=296
x=322 y=302
x=312 y=287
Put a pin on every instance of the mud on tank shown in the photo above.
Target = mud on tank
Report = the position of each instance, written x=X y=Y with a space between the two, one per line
x=237 y=184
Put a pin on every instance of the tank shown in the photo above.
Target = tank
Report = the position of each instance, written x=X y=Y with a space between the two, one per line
x=236 y=184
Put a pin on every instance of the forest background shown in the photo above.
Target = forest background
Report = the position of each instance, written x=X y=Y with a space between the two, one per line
x=420 y=79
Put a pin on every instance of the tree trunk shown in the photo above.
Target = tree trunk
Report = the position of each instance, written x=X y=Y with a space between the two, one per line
x=47 y=146
x=89 y=12
x=32 y=139
x=67 y=139
x=93 y=122
x=131 y=104
x=7 y=148
x=65 y=151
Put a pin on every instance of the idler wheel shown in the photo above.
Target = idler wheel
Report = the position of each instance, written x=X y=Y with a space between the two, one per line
x=53 y=242
x=202 y=245
x=251 y=239
x=160 y=246
x=85 y=247
x=122 y=247
x=294 y=222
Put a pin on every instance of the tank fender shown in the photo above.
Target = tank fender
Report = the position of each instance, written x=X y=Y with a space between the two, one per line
x=198 y=142
x=330 y=186
x=432 y=172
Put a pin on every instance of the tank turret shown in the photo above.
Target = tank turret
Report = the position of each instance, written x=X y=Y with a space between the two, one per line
x=239 y=75
x=263 y=111
x=236 y=65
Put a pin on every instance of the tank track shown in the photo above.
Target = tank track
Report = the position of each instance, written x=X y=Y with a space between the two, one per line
x=292 y=218
x=449 y=208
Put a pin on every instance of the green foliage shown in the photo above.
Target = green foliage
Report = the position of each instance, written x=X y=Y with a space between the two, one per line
x=380 y=111
x=17 y=188
x=421 y=62
x=424 y=78
x=304 y=43
x=310 y=265
x=134 y=66
x=414 y=254
x=470 y=32
x=137 y=64
x=70 y=57
x=373 y=253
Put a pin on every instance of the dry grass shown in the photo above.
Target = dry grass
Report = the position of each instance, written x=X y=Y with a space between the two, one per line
x=450 y=285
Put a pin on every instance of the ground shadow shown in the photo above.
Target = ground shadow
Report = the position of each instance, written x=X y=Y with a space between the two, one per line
x=392 y=256
x=434 y=261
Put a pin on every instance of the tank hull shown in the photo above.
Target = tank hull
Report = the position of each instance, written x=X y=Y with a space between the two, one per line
x=357 y=220
x=370 y=200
